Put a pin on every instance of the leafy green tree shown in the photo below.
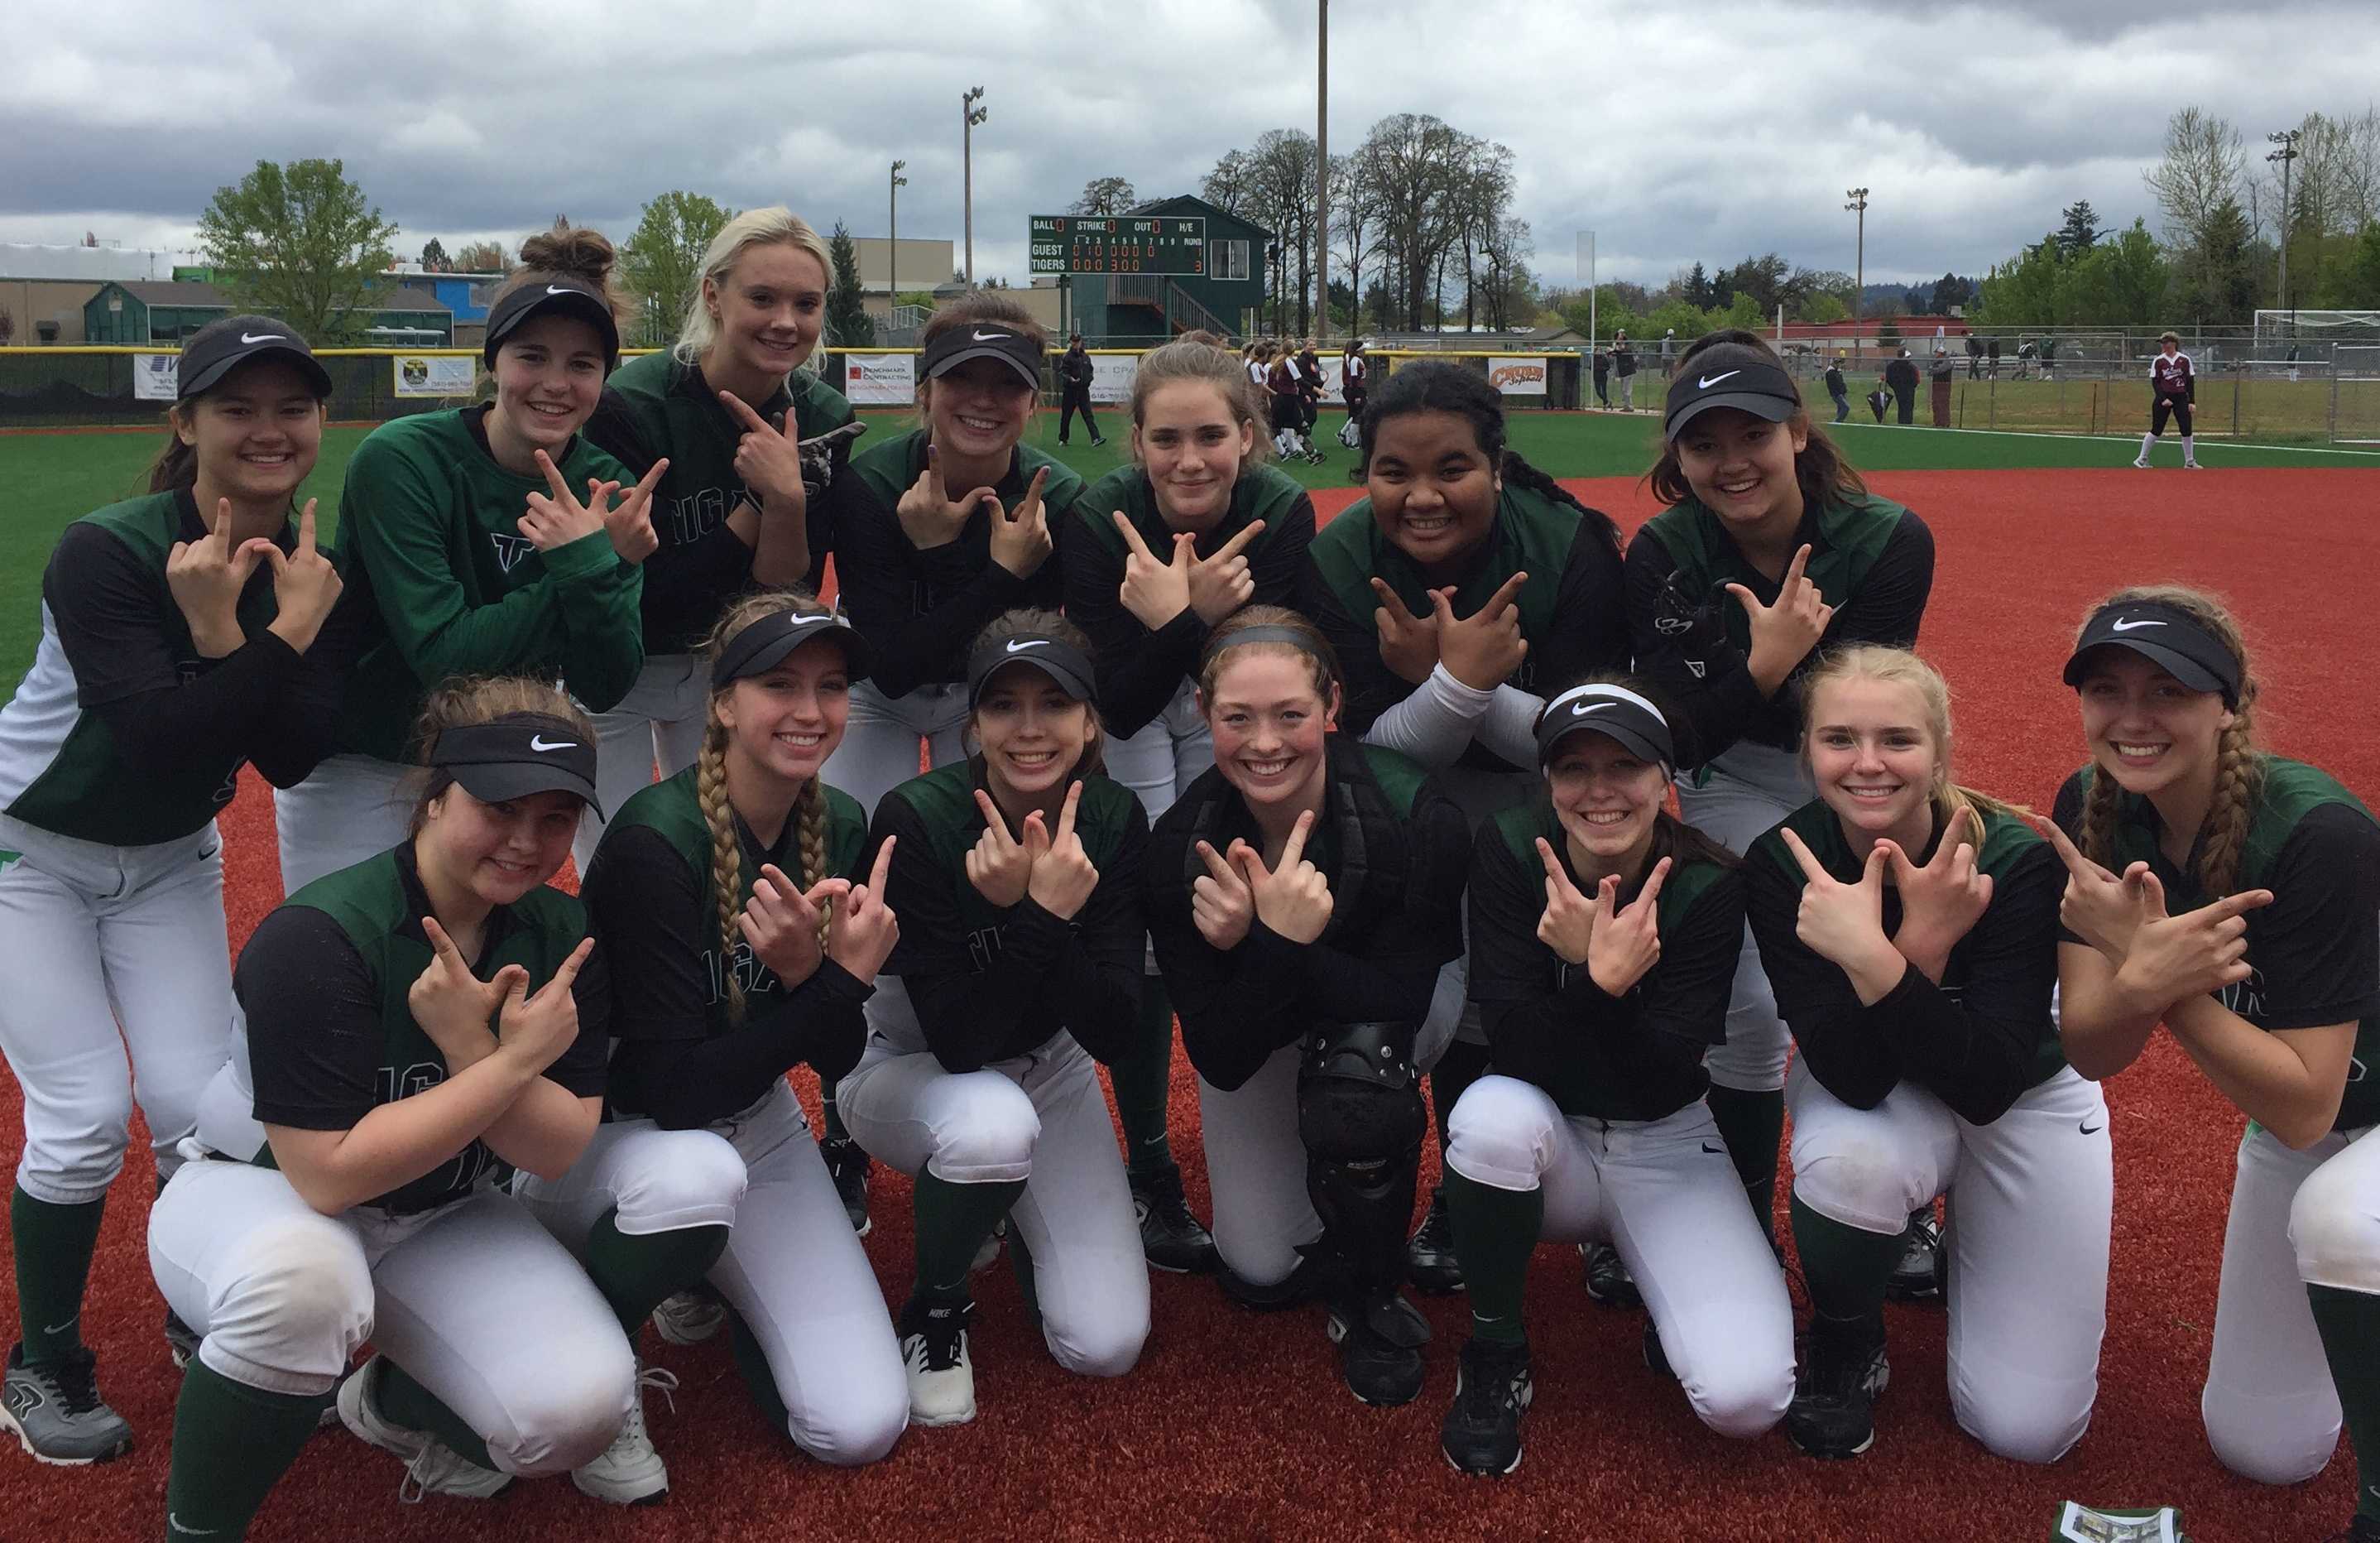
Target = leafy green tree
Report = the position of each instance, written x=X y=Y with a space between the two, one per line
x=847 y=321
x=663 y=261
x=299 y=241
x=1824 y=307
x=482 y=257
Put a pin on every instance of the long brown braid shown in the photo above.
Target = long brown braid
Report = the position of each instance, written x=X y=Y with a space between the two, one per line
x=719 y=813
x=2222 y=840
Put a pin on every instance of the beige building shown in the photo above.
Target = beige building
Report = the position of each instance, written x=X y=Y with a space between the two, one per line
x=29 y=304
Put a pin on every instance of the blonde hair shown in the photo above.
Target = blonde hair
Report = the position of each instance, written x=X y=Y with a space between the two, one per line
x=1899 y=667
x=2223 y=838
x=772 y=226
x=710 y=787
x=1182 y=359
x=461 y=702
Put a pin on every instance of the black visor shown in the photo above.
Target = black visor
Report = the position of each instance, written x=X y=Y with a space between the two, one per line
x=984 y=340
x=761 y=647
x=1054 y=657
x=2167 y=636
x=223 y=346
x=537 y=295
x=1730 y=375
x=519 y=753
x=1612 y=710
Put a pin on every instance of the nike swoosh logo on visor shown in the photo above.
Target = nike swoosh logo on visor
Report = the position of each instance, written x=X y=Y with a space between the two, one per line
x=2126 y=626
x=540 y=745
x=1579 y=709
x=1706 y=382
x=1018 y=645
x=250 y=338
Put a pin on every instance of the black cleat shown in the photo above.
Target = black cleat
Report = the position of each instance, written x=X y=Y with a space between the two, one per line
x=1171 y=1238
x=1608 y=1284
x=1481 y=1434
x=181 y=1340
x=1379 y=1341
x=1833 y=1412
x=1430 y=1263
x=1918 y=1276
x=1657 y=1360
x=846 y=1162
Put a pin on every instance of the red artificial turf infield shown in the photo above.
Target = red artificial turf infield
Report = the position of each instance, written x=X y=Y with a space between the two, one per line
x=1236 y=1426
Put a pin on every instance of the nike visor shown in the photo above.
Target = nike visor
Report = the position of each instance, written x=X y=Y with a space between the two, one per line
x=517 y=755
x=220 y=348
x=1613 y=711
x=761 y=646
x=1054 y=657
x=2168 y=638
x=984 y=340
x=551 y=292
x=1730 y=375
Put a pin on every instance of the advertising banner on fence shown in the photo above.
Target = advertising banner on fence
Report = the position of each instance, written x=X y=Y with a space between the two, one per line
x=1333 y=367
x=878 y=379
x=435 y=374
x=153 y=376
x=1518 y=377
x=1111 y=377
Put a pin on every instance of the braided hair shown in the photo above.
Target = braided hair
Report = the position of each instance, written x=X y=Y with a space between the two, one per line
x=2222 y=840
x=719 y=813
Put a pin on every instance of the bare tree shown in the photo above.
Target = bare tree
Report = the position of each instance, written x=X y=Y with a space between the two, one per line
x=1417 y=160
x=1105 y=195
x=2202 y=171
x=1355 y=217
x=1227 y=186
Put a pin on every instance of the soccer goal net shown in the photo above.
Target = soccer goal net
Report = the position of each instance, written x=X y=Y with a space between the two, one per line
x=2355 y=394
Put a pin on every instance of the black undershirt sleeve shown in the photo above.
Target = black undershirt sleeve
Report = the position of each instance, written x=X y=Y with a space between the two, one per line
x=1891 y=601
x=1591 y=628
x=584 y=1070
x=1814 y=997
x=1138 y=670
x=879 y=573
x=1371 y=687
x=2318 y=947
x=314 y=1034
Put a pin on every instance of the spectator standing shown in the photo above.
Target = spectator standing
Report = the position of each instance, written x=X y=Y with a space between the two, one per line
x=1074 y=390
x=1603 y=376
x=1836 y=389
x=1939 y=373
x=1669 y=349
x=1624 y=364
x=1901 y=376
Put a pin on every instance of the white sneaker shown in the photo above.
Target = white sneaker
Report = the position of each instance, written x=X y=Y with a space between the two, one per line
x=432 y=1467
x=934 y=1349
x=630 y=1472
x=2190 y=466
x=2143 y=465
x=687 y=1317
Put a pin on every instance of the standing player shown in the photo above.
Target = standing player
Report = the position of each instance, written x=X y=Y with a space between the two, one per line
x=415 y=1027
x=1463 y=577
x=2235 y=896
x=1019 y=871
x=1908 y=927
x=756 y=448
x=1355 y=386
x=743 y=938
x=1282 y=383
x=1309 y=390
x=2173 y=387
x=1232 y=531
x=182 y=636
x=1304 y=903
x=1075 y=373
x=1771 y=552
x=464 y=532
x=1603 y=936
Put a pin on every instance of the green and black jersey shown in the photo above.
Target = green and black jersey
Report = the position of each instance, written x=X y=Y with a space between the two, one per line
x=1392 y=847
x=2315 y=951
x=919 y=610
x=687 y=1056
x=428 y=526
x=990 y=983
x=1139 y=670
x=120 y=732
x=1980 y=1037
x=655 y=407
x=322 y=984
x=1872 y=560
x=1570 y=608
x=1636 y=1057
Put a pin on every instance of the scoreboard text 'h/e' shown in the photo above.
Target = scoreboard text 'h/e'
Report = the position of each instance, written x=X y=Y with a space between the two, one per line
x=1119 y=244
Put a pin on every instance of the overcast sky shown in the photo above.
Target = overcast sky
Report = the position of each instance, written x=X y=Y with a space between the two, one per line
x=1677 y=132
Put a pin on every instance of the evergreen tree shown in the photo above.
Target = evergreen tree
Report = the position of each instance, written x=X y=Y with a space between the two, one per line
x=847 y=321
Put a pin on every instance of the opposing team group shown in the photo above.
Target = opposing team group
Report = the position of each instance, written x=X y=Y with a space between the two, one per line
x=1360 y=808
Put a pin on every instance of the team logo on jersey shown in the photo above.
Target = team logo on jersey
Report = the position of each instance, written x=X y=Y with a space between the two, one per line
x=697 y=515
x=745 y=968
x=510 y=549
x=2245 y=997
x=984 y=945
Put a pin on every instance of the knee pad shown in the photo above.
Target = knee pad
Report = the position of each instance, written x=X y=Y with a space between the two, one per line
x=2335 y=1231
x=1360 y=1116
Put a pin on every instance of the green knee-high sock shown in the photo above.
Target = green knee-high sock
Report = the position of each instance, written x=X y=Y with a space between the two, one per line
x=232 y=1443
x=1143 y=1080
x=634 y=1272
x=752 y=1364
x=54 y=1245
x=1751 y=1124
x=952 y=1222
x=1495 y=1232
x=2349 y=1321
x=410 y=1404
x=1845 y=1269
x=1462 y=1064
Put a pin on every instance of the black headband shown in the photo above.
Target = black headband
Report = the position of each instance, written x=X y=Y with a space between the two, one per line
x=1273 y=632
x=764 y=644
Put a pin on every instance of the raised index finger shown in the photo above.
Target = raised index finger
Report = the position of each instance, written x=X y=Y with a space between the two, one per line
x=1652 y=890
x=1556 y=874
x=1130 y=534
x=1504 y=595
x=567 y=975
x=1030 y=505
x=1393 y=602
x=992 y=822
x=2068 y=854
x=753 y=421
x=883 y=866
x=1811 y=869
x=1066 y=811
x=441 y=946
x=1238 y=543
x=1793 y=569
x=555 y=480
x=306 y=529
x=1294 y=847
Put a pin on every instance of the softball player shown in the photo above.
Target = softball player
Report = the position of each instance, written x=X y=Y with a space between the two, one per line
x=1304 y=898
x=1354 y=385
x=1771 y=552
x=2235 y=895
x=1019 y=873
x=711 y=894
x=1463 y=577
x=462 y=532
x=1232 y=530
x=1603 y=937
x=758 y=448
x=412 y=1029
x=2173 y=390
x=182 y=636
x=1909 y=927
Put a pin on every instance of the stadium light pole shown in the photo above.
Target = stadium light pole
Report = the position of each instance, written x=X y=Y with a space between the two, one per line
x=1859 y=282
x=1322 y=162
x=969 y=115
x=2287 y=140
x=892 y=243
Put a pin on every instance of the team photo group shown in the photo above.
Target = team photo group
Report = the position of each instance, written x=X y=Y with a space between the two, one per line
x=1456 y=817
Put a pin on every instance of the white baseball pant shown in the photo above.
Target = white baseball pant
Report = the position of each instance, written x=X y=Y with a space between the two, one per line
x=1750 y=790
x=660 y=721
x=1664 y=1194
x=350 y=808
x=880 y=739
x=2030 y=1197
x=2271 y=1410
x=1168 y=752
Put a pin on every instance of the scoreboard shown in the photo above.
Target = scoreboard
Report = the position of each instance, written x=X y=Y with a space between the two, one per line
x=1119 y=244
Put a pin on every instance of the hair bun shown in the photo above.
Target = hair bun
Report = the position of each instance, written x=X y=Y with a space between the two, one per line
x=577 y=251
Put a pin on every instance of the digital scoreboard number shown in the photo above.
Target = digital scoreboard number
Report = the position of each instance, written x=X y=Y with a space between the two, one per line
x=1119 y=244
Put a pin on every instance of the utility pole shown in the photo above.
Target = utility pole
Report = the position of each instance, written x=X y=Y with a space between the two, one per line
x=1859 y=283
x=2287 y=140
x=969 y=115
x=1322 y=162
x=892 y=243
